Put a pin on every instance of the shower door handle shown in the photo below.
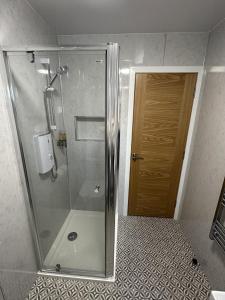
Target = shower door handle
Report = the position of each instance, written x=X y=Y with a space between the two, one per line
x=136 y=156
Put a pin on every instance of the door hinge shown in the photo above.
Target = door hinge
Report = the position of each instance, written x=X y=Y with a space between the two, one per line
x=183 y=154
x=194 y=92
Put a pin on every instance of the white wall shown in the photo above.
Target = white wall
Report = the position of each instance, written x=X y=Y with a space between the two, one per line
x=207 y=168
x=19 y=26
x=171 y=49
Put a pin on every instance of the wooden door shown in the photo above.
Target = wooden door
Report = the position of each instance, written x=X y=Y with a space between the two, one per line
x=162 y=110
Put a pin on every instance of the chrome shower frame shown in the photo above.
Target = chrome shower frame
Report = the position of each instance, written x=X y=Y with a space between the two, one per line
x=112 y=154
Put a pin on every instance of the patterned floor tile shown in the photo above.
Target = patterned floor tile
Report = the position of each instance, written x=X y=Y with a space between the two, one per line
x=154 y=262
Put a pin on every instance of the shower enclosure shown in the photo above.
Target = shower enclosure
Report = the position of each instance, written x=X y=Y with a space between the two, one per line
x=65 y=105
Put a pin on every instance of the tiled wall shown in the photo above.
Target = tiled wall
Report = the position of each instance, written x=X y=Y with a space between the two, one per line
x=172 y=49
x=17 y=260
x=207 y=169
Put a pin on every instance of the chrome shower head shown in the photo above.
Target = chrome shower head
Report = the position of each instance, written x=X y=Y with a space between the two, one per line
x=60 y=71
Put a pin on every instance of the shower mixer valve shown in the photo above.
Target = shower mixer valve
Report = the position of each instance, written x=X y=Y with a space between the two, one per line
x=62 y=142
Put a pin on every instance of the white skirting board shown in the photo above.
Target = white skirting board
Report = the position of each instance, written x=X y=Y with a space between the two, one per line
x=216 y=295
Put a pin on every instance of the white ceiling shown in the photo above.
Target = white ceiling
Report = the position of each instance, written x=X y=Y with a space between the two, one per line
x=130 y=16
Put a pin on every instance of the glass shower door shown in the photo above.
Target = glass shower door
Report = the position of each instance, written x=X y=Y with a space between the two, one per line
x=65 y=101
x=49 y=196
x=80 y=244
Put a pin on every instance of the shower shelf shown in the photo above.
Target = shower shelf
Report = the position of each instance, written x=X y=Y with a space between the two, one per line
x=89 y=128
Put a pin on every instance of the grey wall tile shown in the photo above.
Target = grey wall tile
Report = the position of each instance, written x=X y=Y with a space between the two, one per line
x=185 y=49
x=207 y=166
x=135 y=49
x=16 y=285
x=215 y=52
x=20 y=26
x=32 y=29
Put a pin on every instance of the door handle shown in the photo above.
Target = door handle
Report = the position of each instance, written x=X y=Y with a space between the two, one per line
x=136 y=156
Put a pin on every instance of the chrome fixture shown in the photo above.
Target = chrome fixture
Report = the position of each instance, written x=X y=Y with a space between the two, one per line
x=72 y=236
x=60 y=71
x=49 y=107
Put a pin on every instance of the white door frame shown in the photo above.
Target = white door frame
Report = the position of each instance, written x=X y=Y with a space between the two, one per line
x=191 y=130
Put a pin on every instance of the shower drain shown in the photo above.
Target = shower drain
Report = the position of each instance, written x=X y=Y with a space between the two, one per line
x=72 y=236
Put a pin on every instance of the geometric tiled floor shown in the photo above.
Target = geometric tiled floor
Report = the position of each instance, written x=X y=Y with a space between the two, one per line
x=154 y=262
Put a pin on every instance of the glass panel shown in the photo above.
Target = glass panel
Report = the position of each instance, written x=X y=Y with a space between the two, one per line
x=62 y=130
x=83 y=94
x=50 y=196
